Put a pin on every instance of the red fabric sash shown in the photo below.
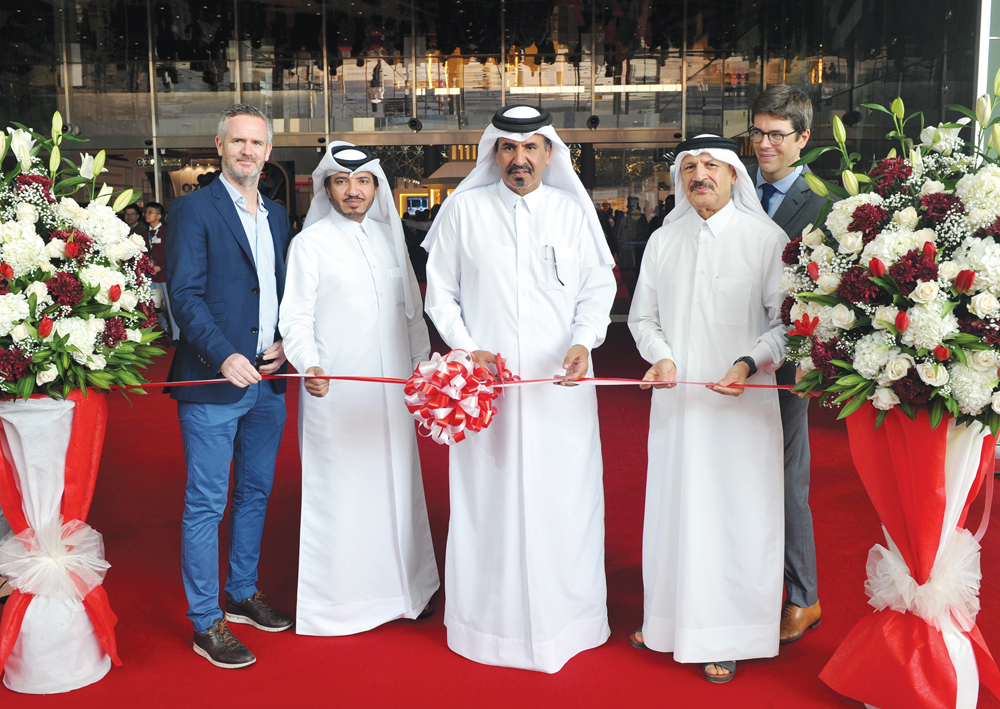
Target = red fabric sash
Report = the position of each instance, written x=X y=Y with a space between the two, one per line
x=83 y=457
x=893 y=659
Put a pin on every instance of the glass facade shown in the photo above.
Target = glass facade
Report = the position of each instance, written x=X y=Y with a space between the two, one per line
x=621 y=76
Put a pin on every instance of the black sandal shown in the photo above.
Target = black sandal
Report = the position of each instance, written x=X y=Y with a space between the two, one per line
x=719 y=679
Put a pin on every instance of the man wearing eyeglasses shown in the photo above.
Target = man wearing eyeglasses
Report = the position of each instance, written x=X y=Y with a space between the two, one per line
x=782 y=119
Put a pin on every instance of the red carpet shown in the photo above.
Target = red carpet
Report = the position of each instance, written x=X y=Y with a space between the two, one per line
x=138 y=506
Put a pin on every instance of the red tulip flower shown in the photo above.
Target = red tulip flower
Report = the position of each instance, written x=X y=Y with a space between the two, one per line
x=876 y=267
x=964 y=280
x=941 y=353
x=930 y=250
x=7 y=271
x=813 y=270
x=45 y=326
x=114 y=293
x=72 y=249
x=902 y=321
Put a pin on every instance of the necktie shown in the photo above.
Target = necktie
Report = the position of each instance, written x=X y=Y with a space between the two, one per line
x=765 y=201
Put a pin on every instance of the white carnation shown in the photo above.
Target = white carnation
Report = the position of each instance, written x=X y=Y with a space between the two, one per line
x=104 y=278
x=971 y=388
x=983 y=257
x=929 y=326
x=871 y=354
x=80 y=336
x=842 y=213
x=22 y=248
x=807 y=365
x=981 y=190
x=13 y=309
x=890 y=245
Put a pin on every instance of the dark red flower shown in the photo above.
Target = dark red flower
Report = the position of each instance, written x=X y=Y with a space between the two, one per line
x=888 y=173
x=149 y=310
x=823 y=352
x=971 y=325
x=45 y=326
x=964 y=280
x=856 y=285
x=114 y=293
x=790 y=255
x=991 y=230
x=114 y=332
x=13 y=364
x=143 y=267
x=941 y=353
x=24 y=183
x=902 y=321
x=911 y=389
x=83 y=243
x=876 y=267
x=813 y=270
x=868 y=219
x=939 y=205
x=914 y=266
x=65 y=289
x=786 y=310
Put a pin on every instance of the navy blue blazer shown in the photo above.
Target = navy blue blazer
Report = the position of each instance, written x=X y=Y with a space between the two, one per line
x=214 y=291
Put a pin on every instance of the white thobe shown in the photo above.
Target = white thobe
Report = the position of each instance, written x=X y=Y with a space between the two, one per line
x=525 y=557
x=713 y=532
x=365 y=554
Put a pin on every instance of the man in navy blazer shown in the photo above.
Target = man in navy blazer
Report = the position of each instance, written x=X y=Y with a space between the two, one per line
x=226 y=247
x=782 y=119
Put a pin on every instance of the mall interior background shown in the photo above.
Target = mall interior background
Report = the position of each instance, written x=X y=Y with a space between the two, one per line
x=625 y=80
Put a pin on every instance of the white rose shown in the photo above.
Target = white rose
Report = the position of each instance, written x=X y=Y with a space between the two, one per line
x=797 y=311
x=931 y=187
x=906 y=218
x=898 y=367
x=827 y=283
x=932 y=374
x=885 y=313
x=96 y=362
x=948 y=270
x=851 y=243
x=884 y=399
x=922 y=235
x=37 y=289
x=96 y=325
x=995 y=402
x=925 y=292
x=138 y=241
x=822 y=253
x=842 y=316
x=19 y=333
x=983 y=304
x=133 y=335
x=807 y=365
x=46 y=375
x=984 y=360
x=128 y=300
x=812 y=237
x=27 y=212
x=56 y=249
x=69 y=209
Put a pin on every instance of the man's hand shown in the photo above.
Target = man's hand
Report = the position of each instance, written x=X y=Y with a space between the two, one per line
x=664 y=371
x=483 y=358
x=575 y=364
x=317 y=387
x=239 y=370
x=275 y=353
x=737 y=374
x=156 y=269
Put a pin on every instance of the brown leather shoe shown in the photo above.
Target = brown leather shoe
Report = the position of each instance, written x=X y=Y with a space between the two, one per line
x=256 y=612
x=220 y=647
x=795 y=621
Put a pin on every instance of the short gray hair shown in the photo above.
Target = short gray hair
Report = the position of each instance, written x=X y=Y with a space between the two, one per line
x=787 y=102
x=242 y=109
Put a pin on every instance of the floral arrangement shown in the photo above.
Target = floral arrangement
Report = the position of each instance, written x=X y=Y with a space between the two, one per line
x=896 y=303
x=76 y=309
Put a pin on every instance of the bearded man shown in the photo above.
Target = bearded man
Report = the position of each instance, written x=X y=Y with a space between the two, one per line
x=352 y=307
x=518 y=264
x=707 y=309
x=226 y=272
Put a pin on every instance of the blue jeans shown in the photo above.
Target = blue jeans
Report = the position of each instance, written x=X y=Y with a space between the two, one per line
x=246 y=434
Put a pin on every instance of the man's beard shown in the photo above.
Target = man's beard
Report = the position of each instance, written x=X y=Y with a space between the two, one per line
x=520 y=179
x=229 y=166
x=353 y=216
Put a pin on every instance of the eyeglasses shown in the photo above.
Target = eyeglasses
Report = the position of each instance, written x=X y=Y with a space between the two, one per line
x=774 y=137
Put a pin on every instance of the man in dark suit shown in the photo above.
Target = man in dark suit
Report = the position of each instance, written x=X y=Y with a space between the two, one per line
x=782 y=119
x=225 y=252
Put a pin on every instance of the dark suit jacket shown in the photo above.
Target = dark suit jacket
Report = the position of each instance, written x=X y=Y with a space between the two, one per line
x=799 y=208
x=214 y=291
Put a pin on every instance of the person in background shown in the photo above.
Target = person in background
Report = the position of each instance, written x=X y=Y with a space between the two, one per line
x=155 y=236
x=631 y=233
x=130 y=215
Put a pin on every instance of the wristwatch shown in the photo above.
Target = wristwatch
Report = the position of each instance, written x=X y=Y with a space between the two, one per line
x=750 y=363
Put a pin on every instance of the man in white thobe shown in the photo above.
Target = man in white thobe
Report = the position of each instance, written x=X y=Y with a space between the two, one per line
x=707 y=305
x=352 y=307
x=519 y=266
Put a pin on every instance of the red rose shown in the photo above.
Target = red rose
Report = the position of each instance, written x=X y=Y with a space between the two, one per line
x=813 y=270
x=45 y=326
x=930 y=250
x=6 y=271
x=876 y=267
x=114 y=293
x=902 y=321
x=963 y=282
x=941 y=353
x=72 y=249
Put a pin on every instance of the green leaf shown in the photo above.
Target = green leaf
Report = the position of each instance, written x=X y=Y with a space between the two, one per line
x=876 y=107
x=824 y=211
x=908 y=410
x=949 y=305
x=813 y=154
x=936 y=412
x=69 y=182
x=830 y=300
x=961 y=109
x=25 y=386
x=960 y=353
x=842 y=364
x=855 y=404
x=887 y=282
x=880 y=417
